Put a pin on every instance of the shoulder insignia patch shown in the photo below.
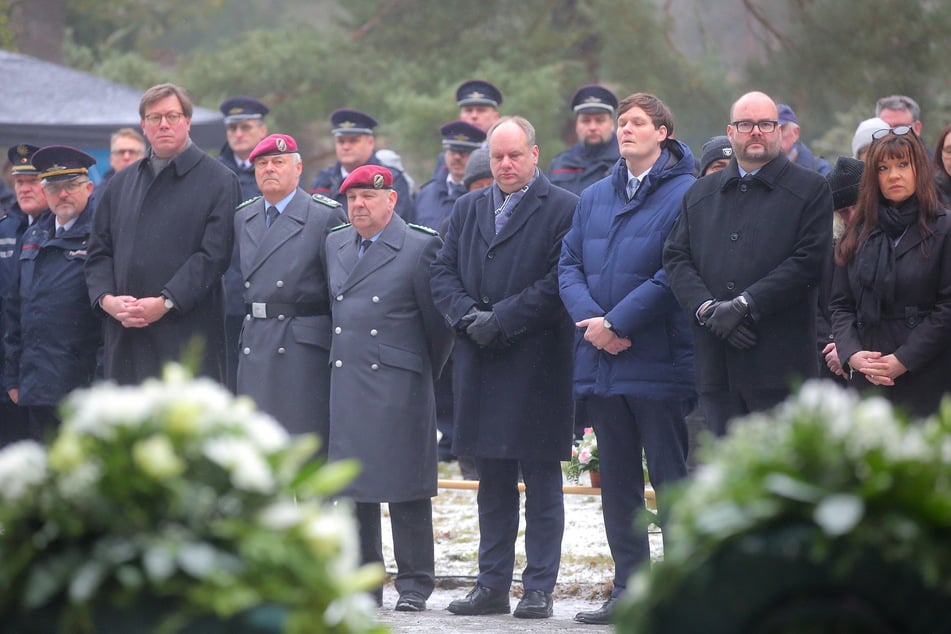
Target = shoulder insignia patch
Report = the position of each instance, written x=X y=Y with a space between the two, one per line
x=247 y=202
x=431 y=232
x=339 y=227
x=325 y=200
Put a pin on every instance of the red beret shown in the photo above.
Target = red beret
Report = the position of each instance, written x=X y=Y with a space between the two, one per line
x=368 y=177
x=274 y=144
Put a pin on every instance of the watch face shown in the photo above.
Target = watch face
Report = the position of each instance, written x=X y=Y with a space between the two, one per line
x=169 y=304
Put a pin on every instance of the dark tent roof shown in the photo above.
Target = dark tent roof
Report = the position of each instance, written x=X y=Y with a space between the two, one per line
x=46 y=104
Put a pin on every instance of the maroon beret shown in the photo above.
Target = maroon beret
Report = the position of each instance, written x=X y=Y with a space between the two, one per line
x=368 y=177
x=274 y=144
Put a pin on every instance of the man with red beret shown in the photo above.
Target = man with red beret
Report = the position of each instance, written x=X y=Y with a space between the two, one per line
x=389 y=343
x=285 y=338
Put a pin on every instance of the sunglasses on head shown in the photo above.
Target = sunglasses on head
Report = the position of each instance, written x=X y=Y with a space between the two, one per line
x=898 y=130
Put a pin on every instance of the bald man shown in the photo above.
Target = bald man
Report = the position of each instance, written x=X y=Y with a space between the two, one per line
x=744 y=260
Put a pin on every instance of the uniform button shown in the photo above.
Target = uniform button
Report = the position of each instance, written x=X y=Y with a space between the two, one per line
x=730 y=286
x=490 y=255
x=338 y=330
x=338 y=363
x=280 y=317
x=246 y=351
x=375 y=299
x=373 y=333
x=281 y=350
x=279 y=284
x=485 y=299
x=247 y=284
x=734 y=237
x=247 y=317
x=339 y=298
x=374 y=366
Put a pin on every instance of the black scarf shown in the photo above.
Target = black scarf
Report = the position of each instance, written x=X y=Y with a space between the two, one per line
x=873 y=280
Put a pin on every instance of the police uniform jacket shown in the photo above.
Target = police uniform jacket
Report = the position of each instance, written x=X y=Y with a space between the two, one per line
x=169 y=234
x=580 y=166
x=329 y=179
x=511 y=402
x=388 y=345
x=915 y=325
x=52 y=335
x=434 y=203
x=12 y=225
x=283 y=362
x=767 y=235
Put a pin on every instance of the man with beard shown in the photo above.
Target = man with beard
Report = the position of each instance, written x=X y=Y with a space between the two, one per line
x=435 y=199
x=592 y=157
x=745 y=259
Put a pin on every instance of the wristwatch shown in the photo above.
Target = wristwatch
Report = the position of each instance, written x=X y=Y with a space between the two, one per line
x=169 y=304
x=608 y=325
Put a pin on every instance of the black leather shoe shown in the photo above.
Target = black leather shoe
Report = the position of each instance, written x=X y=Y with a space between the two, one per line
x=411 y=602
x=535 y=604
x=602 y=616
x=482 y=600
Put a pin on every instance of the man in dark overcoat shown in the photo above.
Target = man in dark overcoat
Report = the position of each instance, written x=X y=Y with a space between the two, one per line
x=285 y=342
x=161 y=239
x=388 y=345
x=745 y=260
x=496 y=282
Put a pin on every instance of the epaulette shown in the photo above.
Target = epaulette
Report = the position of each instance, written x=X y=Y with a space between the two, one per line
x=247 y=202
x=431 y=232
x=324 y=200
x=339 y=227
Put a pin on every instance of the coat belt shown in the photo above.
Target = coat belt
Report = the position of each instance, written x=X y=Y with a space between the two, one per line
x=271 y=310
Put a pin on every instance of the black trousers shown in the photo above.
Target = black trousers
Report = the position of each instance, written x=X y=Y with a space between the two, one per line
x=413 y=547
x=499 y=511
x=719 y=408
x=624 y=426
x=14 y=423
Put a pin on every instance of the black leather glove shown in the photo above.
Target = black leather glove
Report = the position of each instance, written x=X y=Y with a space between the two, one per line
x=485 y=328
x=466 y=319
x=743 y=337
x=726 y=316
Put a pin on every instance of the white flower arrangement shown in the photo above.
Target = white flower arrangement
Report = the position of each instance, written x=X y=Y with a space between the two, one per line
x=175 y=490
x=825 y=491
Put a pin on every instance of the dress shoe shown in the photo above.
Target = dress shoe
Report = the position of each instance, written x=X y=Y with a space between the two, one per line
x=602 y=616
x=411 y=602
x=482 y=600
x=535 y=604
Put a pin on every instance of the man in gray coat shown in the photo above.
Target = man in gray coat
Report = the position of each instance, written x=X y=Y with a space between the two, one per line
x=389 y=343
x=283 y=362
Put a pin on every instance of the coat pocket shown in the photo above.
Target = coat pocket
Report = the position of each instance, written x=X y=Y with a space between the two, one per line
x=399 y=358
x=312 y=331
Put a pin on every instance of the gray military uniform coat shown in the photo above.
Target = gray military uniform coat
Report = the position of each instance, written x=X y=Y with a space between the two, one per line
x=389 y=343
x=283 y=362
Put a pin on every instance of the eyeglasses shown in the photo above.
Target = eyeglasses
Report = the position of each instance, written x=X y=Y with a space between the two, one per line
x=71 y=187
x=126 y=152
x=155 y=118
x=898 y=130
x=765 y=126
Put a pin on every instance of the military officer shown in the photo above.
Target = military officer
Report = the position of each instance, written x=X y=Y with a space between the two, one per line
x=435 y=199
x=356 y=146
x=29 y=203
x=478 y=102
x=285 y=340
x=389 y=344
x=51 y=333
x=245 y=128
x=596 y=152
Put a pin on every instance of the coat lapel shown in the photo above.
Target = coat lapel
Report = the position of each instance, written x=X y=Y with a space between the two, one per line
x=383 y=250
x=288 y=224
x=909 y=241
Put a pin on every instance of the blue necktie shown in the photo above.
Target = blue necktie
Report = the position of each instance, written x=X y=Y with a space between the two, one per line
x=632 y=187
x=60 y=231
x=364 y=245
x=271 y=215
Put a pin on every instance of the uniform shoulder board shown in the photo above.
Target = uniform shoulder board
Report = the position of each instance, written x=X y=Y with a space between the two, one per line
x=324 y=200
x=247 y=202
x=339 y=227
x=431 y=232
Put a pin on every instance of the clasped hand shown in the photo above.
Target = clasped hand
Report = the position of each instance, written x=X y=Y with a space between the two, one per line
x=134 y=312
x=879 y=369
x=603 y=338
x=482 y=326
x=727 y=320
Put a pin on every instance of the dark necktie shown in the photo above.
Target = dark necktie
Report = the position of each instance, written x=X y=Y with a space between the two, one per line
x=271 y=216
x=456 y=190
x=364 y=245
x=60 y=231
